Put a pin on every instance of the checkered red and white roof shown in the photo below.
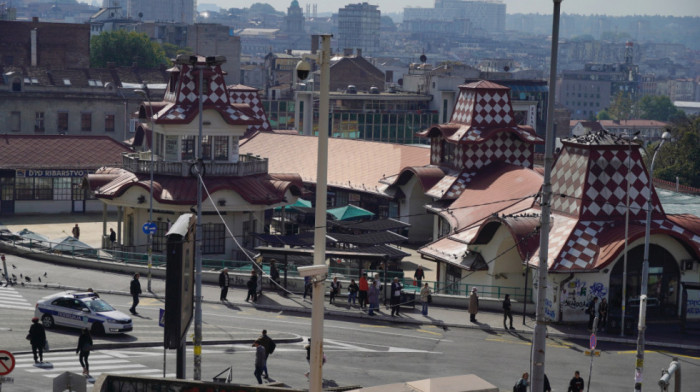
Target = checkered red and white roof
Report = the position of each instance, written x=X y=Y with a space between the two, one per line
x=247 y=95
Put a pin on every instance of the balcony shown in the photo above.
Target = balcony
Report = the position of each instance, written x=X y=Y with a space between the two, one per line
x=247 y=165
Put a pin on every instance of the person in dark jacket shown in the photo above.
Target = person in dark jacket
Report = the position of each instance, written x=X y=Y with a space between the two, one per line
x=335 y=289
x=83 y=350
x=576 y=383
x=274 y=275
x=135 y=290
x=522 y=384
x=259 y=360
x=602 y=314
x=395 y=297
x=419 y=275
x=269 y=345
x=37 y=338
x=507 y=313
x=223 y=284
x=353 y=288
x=592 y=309
x=112 y=237
x=252 y=286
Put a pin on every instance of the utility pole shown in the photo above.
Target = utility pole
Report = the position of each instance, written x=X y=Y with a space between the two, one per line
x=540 y=336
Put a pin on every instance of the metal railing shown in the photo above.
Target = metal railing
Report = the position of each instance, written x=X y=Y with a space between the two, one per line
x=247 y=164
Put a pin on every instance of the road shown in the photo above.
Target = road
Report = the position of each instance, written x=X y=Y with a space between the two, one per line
x=359 y=352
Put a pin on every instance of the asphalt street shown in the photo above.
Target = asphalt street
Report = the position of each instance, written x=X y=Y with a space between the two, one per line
x=360 y=351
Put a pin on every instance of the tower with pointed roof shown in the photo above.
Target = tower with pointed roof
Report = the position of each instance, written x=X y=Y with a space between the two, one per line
x=238 y=185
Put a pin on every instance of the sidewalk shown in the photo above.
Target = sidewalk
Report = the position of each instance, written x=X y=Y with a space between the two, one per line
x=666 y=335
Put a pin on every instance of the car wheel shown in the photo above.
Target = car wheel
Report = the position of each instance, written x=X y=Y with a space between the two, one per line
x=98 y=329
x=47 y=320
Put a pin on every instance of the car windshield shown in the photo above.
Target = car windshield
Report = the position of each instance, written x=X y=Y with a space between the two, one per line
x=98 y=305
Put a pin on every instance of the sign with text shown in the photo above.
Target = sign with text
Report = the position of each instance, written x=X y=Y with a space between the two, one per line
x=52 y=173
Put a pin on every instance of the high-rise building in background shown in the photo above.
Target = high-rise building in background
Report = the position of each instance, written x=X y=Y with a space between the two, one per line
x=358 y=28
x=182 y=11
x=484 y=16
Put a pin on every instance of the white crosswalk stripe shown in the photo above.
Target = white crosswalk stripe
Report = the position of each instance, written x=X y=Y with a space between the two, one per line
x=100 y=362
x=11 y=299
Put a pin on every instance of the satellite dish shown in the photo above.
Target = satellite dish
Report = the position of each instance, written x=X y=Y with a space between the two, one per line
x=506 y=68
x=423 y=58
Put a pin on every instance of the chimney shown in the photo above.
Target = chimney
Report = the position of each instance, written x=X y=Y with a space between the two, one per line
x=32 y=35
x=35 y=19
x=347 y=52
x=359 y=52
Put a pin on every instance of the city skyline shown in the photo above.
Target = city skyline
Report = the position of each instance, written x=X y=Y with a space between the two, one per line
x=603 y=7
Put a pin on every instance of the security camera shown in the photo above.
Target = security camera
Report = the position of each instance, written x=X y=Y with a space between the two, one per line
x=313 y=270
x=303 y=69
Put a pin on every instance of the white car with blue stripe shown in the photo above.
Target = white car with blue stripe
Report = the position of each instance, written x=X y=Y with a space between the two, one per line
x=81 y=310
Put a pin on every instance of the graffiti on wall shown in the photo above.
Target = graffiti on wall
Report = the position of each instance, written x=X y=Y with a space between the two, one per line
x=577 y=294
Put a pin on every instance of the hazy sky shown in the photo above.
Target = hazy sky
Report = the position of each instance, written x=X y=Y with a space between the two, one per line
x=586 y=7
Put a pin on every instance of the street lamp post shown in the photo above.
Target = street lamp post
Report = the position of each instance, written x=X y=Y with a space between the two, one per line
x=539 y=338
x=627 y=228
x=144 y=93
x=641 y=326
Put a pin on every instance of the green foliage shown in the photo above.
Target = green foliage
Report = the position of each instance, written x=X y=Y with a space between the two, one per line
x=658 y=107
x=621 y=107
x=604 y=115
x=125 y=48
x=680 y=157
x=172 y=51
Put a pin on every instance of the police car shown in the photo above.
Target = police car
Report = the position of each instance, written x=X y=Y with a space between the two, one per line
x=81 y=310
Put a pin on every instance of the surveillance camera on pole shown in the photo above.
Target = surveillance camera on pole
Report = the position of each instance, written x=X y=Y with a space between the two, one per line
x=303 y=69
x=318 y=272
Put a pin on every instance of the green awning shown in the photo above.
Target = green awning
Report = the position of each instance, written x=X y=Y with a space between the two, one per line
x=299 y=203
x=350 y=212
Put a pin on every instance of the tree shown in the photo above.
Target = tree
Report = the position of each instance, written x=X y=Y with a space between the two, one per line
x=604 y=115
x=681 y=157
x=125 y=48
x=172 y=51
x=622 y=107
x=658 y=107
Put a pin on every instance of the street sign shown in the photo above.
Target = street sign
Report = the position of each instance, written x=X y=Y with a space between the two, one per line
x=593 y=341
x=149 y=227
x=7 y=362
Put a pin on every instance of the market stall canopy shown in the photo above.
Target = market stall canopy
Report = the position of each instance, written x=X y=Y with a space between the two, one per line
x=350 y=212
x=300 y=203
x=70 y=244
x=30 y=235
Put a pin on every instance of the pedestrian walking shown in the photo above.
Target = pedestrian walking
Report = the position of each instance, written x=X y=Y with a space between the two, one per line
x=259 y=360
x=274 y=275
x=37 y=338
x=418 y=276
x=592 y=310
x=373 y=297
x=112 y=237
x=522 y=384
x=307 y=347
x=83 y=350
x=270 y=346
x=507 y=313
x=252 y=285
x=576 y=383
x=308 y=288
x=224 y=281
x=425 y=298
x=76 y=231
x=473 y=305
x=259 y=283
x=602 y=314
x=353 y=288
x=335 y=289
x=135 y=290
x=395 y=299
x=364 y=289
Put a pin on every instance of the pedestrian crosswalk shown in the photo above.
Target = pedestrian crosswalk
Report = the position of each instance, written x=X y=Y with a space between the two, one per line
x=11 y=299
x=112 y=362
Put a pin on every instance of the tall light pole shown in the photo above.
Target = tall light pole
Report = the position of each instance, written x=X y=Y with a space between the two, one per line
x=627 y=229
x=641 y=326
x=540 y=336
x=144 y=93
x=316 y=360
